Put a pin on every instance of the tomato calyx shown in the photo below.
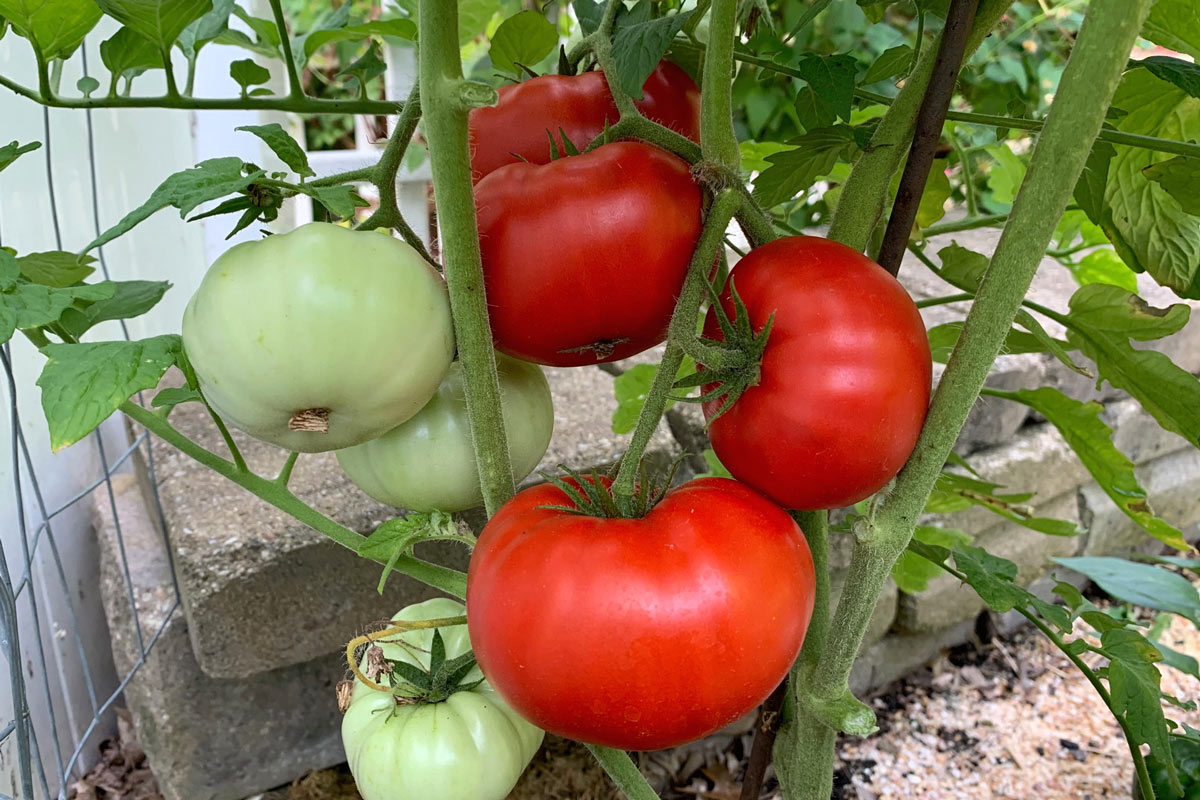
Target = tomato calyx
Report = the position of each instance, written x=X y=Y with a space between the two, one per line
x=592 y=496
x=731 y=364
x=407 y=682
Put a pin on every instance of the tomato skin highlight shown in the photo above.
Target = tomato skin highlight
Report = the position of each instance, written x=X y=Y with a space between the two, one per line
x=580 y=105
x=639 y=634
x=845 y=376
x=584 y=257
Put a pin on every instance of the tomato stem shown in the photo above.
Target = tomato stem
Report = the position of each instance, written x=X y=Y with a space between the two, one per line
x=718 y=143
x=623 y=772
x=441 y=82
x=1088 y=83
x=866 y=189
x=295 y=89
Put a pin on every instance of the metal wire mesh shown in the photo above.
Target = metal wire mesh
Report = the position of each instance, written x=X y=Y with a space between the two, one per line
x=38 y=723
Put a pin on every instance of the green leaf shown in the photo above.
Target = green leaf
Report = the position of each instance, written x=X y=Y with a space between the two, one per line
x=14 y=150
x=524 y=38
x=87 y=85
x=912 y=572
x=954 y=492
x=1102 y=320
x=391 y=28
x=943 y=338
x=589 y=13
x=262 y=47
x=1150 y=229
x=282 y=145
x=30 y=305
x=932 y=206
x=129 y=299
x=1104 y=266
x=894 y=61
x=1177 y=660
x=829 y=94
x=83 y=384
x=160 y=21
x=127 y=54
x=1056 y=347
x=715 y=468
x=57 y=26
x=247 y=73
x=10 y=270
x=175 y=396
x=1180 y=178
x=754 y=154
x=367 y=66
x=339 y=200
x=1081 y=427
x=1006 y=174
x=1183 y=74
x=473 y=18
x=794 y=171
x=639 y=43
x=208 y=180
x=962 y=267
x=631 y=388
x=1134 y=683
x=56 y=268
x=1089 y=190
x=205 y=29
x=1175 y=24
x=1141 y=584
x=397 y=537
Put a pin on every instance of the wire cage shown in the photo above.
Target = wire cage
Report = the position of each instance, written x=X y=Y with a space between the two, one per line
x=45 y=740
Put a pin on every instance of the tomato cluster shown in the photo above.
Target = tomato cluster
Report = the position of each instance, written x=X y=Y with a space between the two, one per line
x=629 y=630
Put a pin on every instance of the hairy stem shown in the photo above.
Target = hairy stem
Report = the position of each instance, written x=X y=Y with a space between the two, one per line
x=447 y=580
x=866 y=189
x=442 y=85
x=718 y=143
x=295 y=89
x=1090 y=78
x=623 y=772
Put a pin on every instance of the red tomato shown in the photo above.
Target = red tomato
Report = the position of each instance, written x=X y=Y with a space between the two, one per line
x=584 y=256
x=639 y=633
x=579 y=104
x=845 y=376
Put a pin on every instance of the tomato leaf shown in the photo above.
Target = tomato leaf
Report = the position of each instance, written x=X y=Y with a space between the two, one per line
x=589 y=13
x=962 y=267
x=14 y=150
x=1183 y=74
x=57 y=26
x=894 y=61
x=1133 y=683
x=83 y=384
x=1180 y=178
x=829 y=95
x=912 y=571
x=391 y=28
x=631 y=388
x=992 y=579
x=24 y=306
x=1103 y=319
x=176 y=395
x=794 y=170
x=1104 y=266
x=160 y=21
x=524 y=38
x=639 y=43
x=1141 y=584
x=205 y=29
x=339 y=200
x=1175 y=24
x=1081 y=427
x=1089 y=189
x=128 y=54
x=247 y=73
x=56 y=268
x=282 y=145
x=208 y=180
x=129 y=299
x=395 y=538
x=943 y=338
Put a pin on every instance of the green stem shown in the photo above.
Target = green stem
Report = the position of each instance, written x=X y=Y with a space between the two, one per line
x=447 y=580
x=442 y=91
x=623 y=772
x=808 y=16
x=683 y=325
x=295 y=88
x=190 y=84
x=968 y=176
x=804 y=748
x=169 y=70
x=298 y=105
x=718 y=143
x=1087 y=85
x=966 y=224
x=866 y=189
x=285 y=474
x=238 y=461
x=941 y=301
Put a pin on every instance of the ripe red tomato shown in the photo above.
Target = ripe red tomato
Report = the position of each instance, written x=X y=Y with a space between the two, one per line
x=639 y=633
x=579 y=104
x=844 y=381
x=584 y=256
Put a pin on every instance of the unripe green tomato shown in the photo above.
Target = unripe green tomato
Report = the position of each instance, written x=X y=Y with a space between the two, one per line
x=428 y=462
x=322 y=327
x=470 y=746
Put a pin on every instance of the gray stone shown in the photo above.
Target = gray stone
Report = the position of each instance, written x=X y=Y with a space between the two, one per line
x=948 y=601
x=1137 y=434
x=994 y=421
x=240 y=561
x=894 y=656
x=206 y=738
x=1172 y=482
x=885 y=608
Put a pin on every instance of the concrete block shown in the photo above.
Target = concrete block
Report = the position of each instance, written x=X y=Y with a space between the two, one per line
x=947 y=601
x=206 y=738
x=1172 y=482
x=993 y=421
x=894 y=656
x=885 y=608
x=1137 y=434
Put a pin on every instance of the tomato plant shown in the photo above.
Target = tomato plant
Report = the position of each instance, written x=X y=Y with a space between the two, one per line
x=844 y=380
x=321 y=338
x=583 y=257
x=428 y=462
x=440 y=732
x=535 y=112
x=642 y=633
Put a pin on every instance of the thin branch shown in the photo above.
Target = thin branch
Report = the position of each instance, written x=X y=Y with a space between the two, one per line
x=930 y=119
x=295 y=88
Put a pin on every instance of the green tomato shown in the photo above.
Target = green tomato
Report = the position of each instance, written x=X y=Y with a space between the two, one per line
x=320 y=338
x=470 y=746
x=429 y=462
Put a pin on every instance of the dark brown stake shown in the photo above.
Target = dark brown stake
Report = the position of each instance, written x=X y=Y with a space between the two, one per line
x=930 y=119
x=765 y=729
